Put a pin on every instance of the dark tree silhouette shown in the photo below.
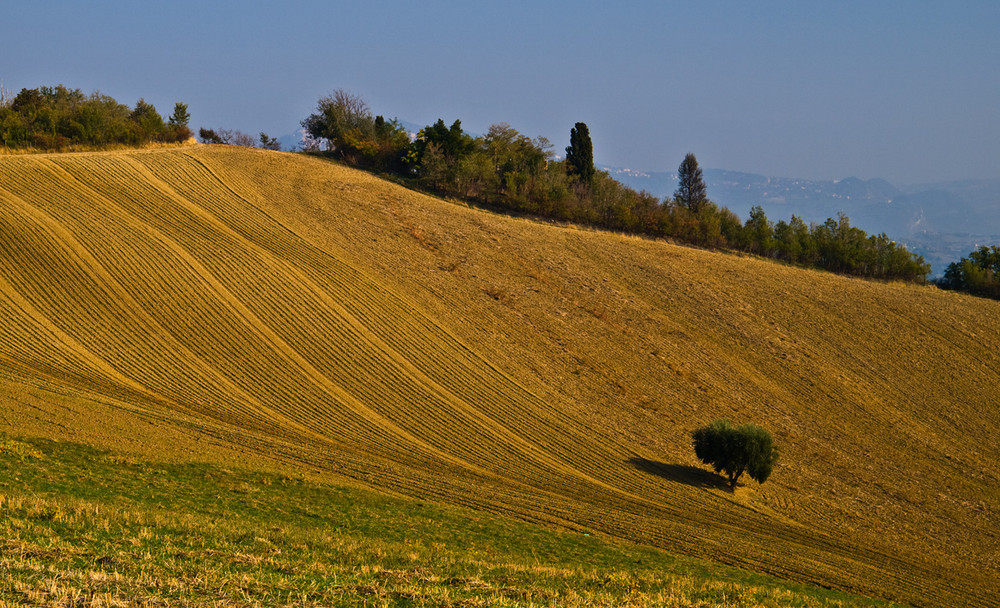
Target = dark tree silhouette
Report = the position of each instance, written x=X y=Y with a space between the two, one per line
x=691 y=191
x=978 y=274
x=181 y=116
x=735 y=450
x=580 y=153
x=269 y=143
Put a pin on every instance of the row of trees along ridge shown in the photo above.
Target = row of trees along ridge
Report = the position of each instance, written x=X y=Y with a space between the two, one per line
x=506 y=170
x=978 y=274
x=57 y=118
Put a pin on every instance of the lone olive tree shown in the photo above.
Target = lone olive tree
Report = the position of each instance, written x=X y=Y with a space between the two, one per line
x=735 y=450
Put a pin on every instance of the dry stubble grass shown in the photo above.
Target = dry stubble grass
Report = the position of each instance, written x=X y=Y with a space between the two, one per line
x=544 y=372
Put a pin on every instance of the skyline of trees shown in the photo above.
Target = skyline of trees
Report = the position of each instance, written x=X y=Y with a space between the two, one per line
x=502 y=169
x=508 y=171
x=977 y=274
x=55 y=118
x=355 y=136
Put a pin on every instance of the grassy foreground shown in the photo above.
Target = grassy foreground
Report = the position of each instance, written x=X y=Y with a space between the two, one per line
x=87 y=527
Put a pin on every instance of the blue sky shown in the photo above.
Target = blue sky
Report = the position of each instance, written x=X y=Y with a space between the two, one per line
x=908 y=91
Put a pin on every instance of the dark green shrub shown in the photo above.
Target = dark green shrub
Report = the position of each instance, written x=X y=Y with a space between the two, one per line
x=735 y=450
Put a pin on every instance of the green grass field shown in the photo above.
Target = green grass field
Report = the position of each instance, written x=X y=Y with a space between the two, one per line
x=236 y=307
x=88 y=527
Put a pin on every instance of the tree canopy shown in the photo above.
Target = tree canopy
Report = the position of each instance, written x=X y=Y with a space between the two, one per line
x=977 y=274
x=691 y=191
x=734 y=450
x=580 y=153
x=344 y=121
x=55 y=118
x=181 y=116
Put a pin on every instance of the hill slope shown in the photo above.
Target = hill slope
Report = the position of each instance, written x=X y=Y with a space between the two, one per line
x=302 y=311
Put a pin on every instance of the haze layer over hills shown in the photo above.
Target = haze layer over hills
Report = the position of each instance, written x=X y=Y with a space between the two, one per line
x=297 y=310
x=940 y=221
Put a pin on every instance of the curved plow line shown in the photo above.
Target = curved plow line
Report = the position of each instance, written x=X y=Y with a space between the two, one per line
x=100 y=275
x=508 y=400
x=290 y=382
x=250 y=413
x=62 y=339
x=373 y=380
x=287 y=269
x=437 y=330
x=216 y=332
x=532 y=452
x=353 y=338
x=612 y=468
x=618 y=525
x=27 y=370
x=109 y=330
x=93 y=361
x=540 y=507
x=313 y=258
x=104 y=329
x=703 y=357
x=464 y=370
x=263 y=330
x=30 y=342
x=264 y=381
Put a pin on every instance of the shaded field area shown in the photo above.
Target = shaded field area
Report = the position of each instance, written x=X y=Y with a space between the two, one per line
x=236 y=304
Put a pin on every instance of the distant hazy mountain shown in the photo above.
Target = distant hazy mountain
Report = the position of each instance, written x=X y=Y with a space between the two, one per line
x=941 y=221
x=292 y=142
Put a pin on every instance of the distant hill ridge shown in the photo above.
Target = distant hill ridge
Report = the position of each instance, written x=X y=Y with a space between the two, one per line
x=940 y=221
x=294 y=309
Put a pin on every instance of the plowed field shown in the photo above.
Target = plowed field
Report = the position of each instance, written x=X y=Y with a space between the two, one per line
x=280 y=307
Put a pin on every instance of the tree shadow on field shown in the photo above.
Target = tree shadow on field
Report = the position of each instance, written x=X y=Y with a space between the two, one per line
x=681 y=473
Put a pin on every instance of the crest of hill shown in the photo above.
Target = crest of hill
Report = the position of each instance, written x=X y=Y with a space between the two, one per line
x=284 y=307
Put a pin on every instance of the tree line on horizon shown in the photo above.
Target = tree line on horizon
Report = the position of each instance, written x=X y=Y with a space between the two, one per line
x=58 y=118
x=977 y=274
x=509 y=171
x=502 y=169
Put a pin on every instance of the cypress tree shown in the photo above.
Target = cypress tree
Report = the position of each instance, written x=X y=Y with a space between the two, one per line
x=580 y=153
x=181 y=116
x=691 y=191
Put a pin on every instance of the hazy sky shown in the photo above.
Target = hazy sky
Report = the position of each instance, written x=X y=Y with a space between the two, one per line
x=908 y=91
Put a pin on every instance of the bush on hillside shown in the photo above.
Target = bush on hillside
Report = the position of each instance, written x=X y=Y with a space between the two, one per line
x=231 y=137
x=735 y=450
x=354 y=135
x=209 y=136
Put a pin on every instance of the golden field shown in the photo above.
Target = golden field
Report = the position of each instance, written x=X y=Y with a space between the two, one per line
x=235 y=304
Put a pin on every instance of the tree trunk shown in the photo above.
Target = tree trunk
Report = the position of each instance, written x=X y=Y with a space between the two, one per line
x=733 y=478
